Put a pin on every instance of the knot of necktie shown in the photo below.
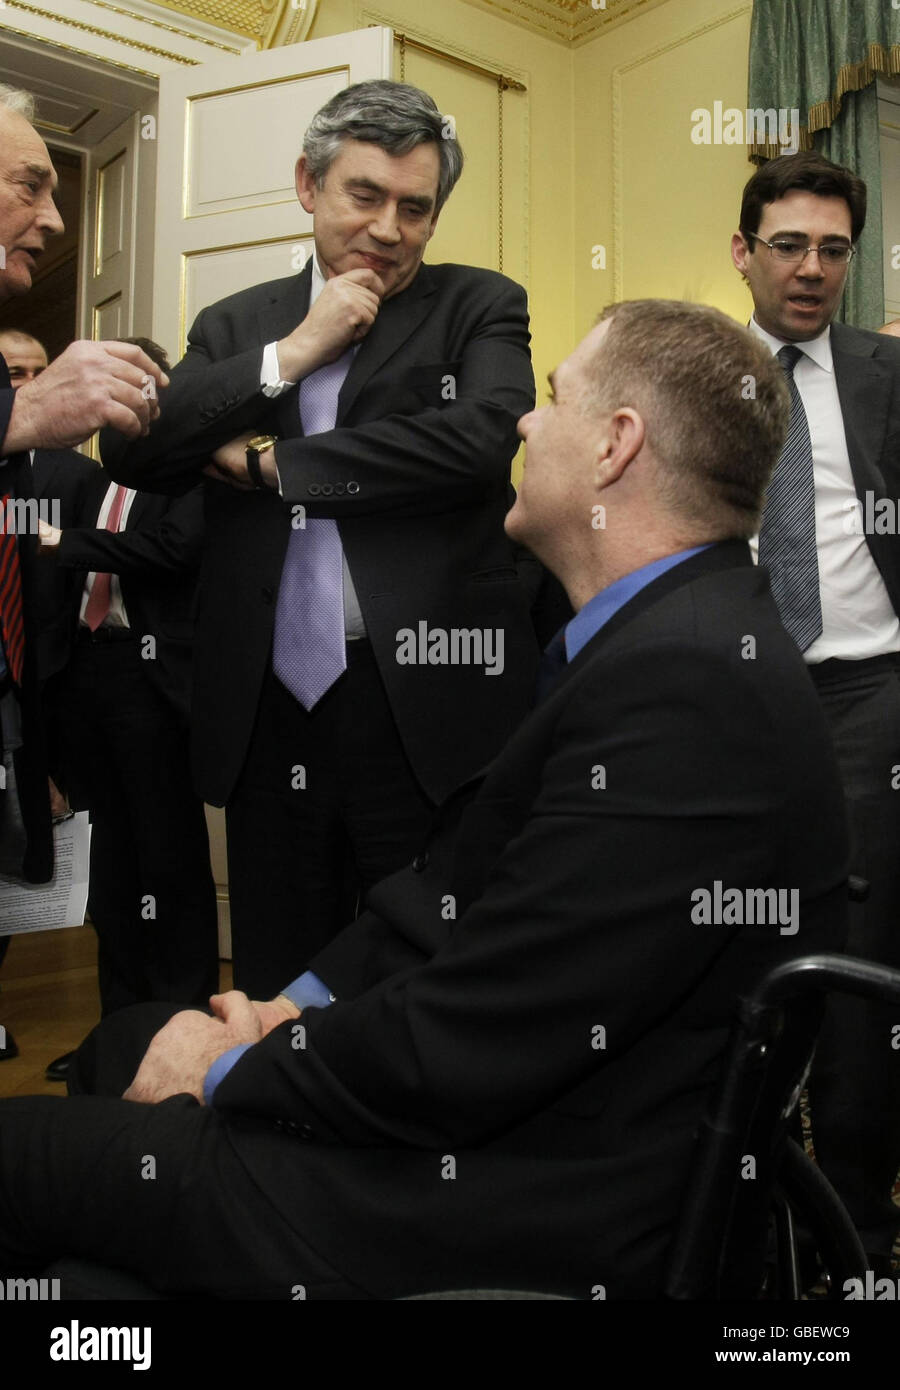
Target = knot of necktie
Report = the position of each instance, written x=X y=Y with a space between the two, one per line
x=789 y=356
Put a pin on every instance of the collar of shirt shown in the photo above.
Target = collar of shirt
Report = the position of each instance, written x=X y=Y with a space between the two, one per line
x=318 y=281
x=818 y=349
x=598 y=611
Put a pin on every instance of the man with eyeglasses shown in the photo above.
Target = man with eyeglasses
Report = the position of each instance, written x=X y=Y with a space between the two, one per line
x=836 y=581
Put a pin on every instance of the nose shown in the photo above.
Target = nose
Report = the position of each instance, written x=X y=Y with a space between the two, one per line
x=807 y=267
x=524 y=425
x=49 y=217
x=385 y=226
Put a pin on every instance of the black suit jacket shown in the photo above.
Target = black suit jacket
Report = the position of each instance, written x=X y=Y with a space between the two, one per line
x=62 y=482
x=157 y=559
x=529 y=1020
x=416 y=474
x=867 y=372
x=17 y=481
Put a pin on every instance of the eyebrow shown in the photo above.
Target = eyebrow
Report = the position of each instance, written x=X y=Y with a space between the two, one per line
x=42 y=171
x=829 y=236
x=419 y=200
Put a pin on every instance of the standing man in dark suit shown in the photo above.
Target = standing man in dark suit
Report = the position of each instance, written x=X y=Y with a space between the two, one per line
x=89 y=385
x=122 y=710
x=835 y=569
x=60 y=480
x=507 y=1094
x=364 y=640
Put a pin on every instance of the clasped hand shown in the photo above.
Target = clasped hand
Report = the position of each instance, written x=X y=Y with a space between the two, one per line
x=182 y=1052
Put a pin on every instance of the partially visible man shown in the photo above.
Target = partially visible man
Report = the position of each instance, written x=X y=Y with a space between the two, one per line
x=89 y=385
x=25 y=355
x=60 y=478
x=835 y=569
x=528 y=1021
x=364 y=640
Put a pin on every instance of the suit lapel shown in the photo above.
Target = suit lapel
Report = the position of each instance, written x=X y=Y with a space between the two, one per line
x=864 y=385
x=279 y=318
x=397 y=320
x=141 y=503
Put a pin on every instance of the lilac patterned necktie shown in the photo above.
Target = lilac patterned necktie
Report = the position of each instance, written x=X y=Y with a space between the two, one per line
x=309 y=652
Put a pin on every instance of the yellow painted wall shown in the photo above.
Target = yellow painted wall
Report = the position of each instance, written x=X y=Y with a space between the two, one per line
x=539 y=191
x=663 y=207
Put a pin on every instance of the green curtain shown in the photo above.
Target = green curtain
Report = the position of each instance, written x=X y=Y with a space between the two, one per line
x=821 y=57
x=854 y=141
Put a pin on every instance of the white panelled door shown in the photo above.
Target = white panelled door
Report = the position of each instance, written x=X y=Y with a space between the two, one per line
x=107 y=281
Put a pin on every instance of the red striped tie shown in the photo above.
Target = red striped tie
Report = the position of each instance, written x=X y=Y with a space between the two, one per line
x=98 y=605
x=11 y=616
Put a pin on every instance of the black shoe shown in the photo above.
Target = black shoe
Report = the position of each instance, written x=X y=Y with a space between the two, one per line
x=58 y=1069
x=8 y=1049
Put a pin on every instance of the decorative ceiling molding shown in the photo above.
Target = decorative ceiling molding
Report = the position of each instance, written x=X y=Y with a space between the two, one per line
x=270 y=23
x=568 y=21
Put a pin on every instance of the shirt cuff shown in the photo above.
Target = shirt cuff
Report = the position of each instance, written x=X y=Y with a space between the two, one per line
x=269 y=376
x=308 y=992
x=220 y=1069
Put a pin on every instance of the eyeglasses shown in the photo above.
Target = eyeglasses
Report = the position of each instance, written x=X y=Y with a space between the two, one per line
x=793 y=249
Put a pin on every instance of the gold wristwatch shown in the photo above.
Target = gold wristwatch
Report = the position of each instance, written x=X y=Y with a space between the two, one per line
x=256 y=446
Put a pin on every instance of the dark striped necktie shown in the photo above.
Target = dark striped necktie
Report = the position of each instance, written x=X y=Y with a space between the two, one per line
x=787 y=537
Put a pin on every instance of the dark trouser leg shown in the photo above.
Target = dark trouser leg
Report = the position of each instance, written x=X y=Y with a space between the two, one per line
x=156 y=1190
x=326 y=806
x=152 y=898
x=178 y=944
x=855 y=1084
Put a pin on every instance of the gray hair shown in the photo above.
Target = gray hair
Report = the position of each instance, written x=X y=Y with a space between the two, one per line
x=393 y=115
x=14 y=99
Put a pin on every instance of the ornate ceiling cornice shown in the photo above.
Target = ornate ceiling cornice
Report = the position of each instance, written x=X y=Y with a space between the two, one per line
x=568 y=21
x=269 y=22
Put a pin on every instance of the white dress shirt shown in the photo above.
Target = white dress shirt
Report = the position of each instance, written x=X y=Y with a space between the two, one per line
x=858 y=618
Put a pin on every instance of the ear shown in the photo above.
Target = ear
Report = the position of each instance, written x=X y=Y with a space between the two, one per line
x=623 y=439
x=739 y=252
x=305 y=185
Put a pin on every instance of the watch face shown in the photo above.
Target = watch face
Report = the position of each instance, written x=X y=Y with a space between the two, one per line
x=262 y=441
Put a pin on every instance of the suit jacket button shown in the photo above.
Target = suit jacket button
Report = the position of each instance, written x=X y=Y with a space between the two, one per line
x=267 y=595
x=353 y=488
x=420 y=863
x=305 y=1131
x=339 y=489
x=327 y=489
x=314 y=489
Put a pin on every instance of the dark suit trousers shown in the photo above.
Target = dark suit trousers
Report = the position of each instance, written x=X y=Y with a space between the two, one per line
x=174 y=1205
x=300 y=856
x=854 y=1088
x=152 y=897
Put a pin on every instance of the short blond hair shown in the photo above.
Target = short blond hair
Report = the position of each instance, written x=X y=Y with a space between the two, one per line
x=714 y=404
